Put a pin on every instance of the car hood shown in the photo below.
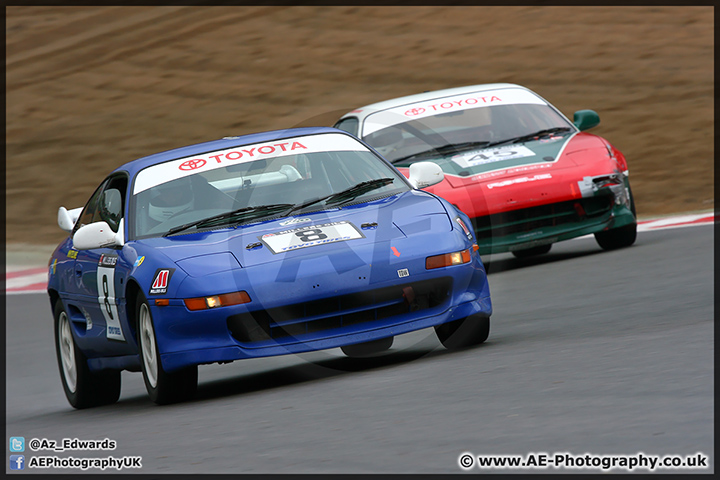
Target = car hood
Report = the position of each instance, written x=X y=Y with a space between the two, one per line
x=539 y=172
x=515 y=159
x=356 y=226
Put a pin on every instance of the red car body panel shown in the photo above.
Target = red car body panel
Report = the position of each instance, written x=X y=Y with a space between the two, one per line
x=497 y=191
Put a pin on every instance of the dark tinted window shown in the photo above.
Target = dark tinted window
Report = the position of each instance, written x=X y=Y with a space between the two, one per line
x=349 y=125
x=105 y=204
x=86 y=217
x=285 y=180
x=112 y=202
x=490 y=124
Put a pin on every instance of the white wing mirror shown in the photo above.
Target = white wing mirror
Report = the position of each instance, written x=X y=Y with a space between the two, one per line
x=96 y=235
x=67 y=218
x=425 y=174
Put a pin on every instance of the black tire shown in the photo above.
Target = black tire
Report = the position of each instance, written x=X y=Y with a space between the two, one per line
x=163 y=387
x=368 y=348
x=531 y=252
x=83 y=388
x=619 y=237
x=466 y=332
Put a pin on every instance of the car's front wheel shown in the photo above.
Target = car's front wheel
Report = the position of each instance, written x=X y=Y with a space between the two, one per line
x=619 y=237
x=163 y=387
x=83 y=388
x=368 y=348
x=465 y=332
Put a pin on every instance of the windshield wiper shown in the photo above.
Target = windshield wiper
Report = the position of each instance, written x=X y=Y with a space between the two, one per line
x=347 y=194
x=231 y=217
x=444 y=149
x=459 y=147
x=359 y=189
x=524 y=138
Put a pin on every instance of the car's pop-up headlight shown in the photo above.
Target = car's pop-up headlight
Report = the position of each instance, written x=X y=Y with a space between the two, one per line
x=447 y=259
x=214 y=301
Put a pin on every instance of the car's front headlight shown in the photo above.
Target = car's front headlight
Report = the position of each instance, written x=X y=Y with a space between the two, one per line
x=448 y=259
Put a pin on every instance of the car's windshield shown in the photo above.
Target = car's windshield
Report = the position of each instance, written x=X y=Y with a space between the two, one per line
x=257 y=182
x=432 y=130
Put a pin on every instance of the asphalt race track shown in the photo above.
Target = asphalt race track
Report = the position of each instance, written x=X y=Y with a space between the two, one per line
x=590 y=352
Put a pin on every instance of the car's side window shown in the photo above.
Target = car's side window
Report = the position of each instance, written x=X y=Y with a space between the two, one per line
x=86 y=217
x=110 y=208
x=349 y=125
x=105 y=204
x=111 y=202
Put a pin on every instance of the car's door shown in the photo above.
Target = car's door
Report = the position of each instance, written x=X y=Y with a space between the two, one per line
x=100 y=274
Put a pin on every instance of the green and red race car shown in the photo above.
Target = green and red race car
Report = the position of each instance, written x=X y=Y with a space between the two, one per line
x=523 y=172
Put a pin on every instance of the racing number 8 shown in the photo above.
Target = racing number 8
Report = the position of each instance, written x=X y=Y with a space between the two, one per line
x=106 y=293
x=311 y=235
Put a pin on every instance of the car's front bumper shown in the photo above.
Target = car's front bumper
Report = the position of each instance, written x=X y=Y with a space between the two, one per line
x=550 y=223
x=306 y=343
x=341 y=313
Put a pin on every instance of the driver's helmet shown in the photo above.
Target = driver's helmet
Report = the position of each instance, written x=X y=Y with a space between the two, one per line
x=170 y=199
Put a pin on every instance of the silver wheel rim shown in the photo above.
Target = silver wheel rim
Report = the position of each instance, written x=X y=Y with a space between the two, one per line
x=147 y=343
x=67 y=352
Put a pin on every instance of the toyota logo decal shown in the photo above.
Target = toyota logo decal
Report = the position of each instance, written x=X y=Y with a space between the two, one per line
x=414 y=111
x=192 y=164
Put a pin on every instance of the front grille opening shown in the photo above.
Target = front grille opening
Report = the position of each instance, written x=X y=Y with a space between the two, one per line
x=332 y=313
x=528 y=219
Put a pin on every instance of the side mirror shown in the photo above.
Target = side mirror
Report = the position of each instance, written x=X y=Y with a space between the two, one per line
x=67 y=218
x=425 y=174
x=586 y=119
x=96 y=235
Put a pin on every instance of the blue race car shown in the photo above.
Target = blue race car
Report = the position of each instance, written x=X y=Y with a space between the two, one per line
x=265 y=244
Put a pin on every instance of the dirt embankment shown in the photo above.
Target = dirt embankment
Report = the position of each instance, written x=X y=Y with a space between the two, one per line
x=90 y=88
